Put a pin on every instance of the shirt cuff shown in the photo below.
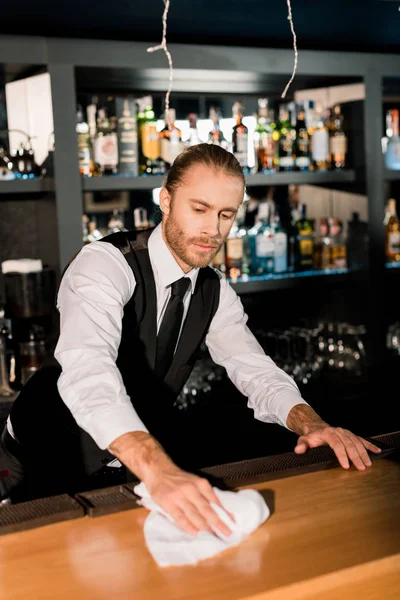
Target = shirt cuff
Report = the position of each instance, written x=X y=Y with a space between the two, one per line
x=109 y=425
x=283 y=404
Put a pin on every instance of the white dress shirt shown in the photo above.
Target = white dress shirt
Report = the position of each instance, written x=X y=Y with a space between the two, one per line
x=91 y=299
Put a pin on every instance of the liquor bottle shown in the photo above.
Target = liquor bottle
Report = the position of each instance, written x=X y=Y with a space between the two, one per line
x=116 y=222
x=127 y=137
x=9 y=376
x=234 y=252
x=106 y=143
x=286 y=144
x=219 y=262
x=392 y=233
x=82 y=131
x=304 y=247
x=216 y=136
x=389 y=130
x=322 y=246
x=148 y=138
x=392 y=156
x=93 y=233
x=240 y=137
x=320 y=140
x=140 y=219
x=338 y=244
x=280 y=247
x=302 y=146
x=91 y=111
x=261 y=242
x=264 y=143
x=337 y=140
x=171 y=140
x=357 y=242
x=193 y=132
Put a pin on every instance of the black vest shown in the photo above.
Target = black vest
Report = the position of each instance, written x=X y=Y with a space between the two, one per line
x=152 y=398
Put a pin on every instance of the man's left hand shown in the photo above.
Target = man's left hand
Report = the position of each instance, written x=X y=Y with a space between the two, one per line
x=346 y=445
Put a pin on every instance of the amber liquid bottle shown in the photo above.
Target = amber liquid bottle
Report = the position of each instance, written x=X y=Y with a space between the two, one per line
x=392 y=233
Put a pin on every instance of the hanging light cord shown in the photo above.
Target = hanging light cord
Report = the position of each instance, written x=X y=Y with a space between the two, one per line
x=296 y=53
x=163 y=46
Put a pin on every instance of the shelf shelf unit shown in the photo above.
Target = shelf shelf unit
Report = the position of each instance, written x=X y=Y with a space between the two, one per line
x=201 y=69
x=263 y=283
x=92 y=184
x=26 y=186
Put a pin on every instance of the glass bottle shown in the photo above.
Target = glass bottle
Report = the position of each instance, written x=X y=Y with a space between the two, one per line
x=304 y=245
x=140 y=219
x=82 y=131
x=357 y=242
x=93 y=233
x=302 y=145
x=280 y=247
x=286 y=144
x=106 y=143
x=216 y=136
x=392 y=156
x=261 y=242
x=389 y=130
x=264 y=143
x=337 y=140
x=234 y=248
x=392 y=233
x=170 y=140
x=240 y=137
x=322 y=246
x=338 y=244
x=193 y=132
x=116 y=222
x=320 y=140
x=148 y=138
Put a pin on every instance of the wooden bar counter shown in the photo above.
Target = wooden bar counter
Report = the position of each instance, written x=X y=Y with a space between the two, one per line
x=332 y=534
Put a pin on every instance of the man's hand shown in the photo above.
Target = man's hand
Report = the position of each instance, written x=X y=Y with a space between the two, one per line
x=314 y=432
x=187 y=499
x=345 y=444
x=182 y=495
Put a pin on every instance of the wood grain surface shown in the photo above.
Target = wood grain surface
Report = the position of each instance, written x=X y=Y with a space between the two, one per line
x=332 y=534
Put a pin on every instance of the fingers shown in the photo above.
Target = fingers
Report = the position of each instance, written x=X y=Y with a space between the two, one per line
x=346 y=446
x=369 y=446
x=302 y=445
x=189 y=505
x=183 y=521
x=208 y=492
x=339 y=448
x=202 y=516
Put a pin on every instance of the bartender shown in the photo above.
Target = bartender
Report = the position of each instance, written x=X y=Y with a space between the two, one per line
x=134 y=311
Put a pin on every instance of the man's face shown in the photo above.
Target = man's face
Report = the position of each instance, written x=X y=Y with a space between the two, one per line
x=197 y=220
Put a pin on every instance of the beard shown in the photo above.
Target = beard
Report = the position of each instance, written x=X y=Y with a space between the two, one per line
x=181 y=245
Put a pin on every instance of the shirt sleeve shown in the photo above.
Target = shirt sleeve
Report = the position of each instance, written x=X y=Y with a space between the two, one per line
x=91 y=300
x=271 y=392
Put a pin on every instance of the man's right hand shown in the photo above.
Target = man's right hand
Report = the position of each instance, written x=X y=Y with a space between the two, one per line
x=185 y=497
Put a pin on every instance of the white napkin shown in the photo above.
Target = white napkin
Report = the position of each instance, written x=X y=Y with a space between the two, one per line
x=22 y=265
x=170 y=546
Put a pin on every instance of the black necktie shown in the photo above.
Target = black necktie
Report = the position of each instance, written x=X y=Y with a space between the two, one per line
x=170 y=327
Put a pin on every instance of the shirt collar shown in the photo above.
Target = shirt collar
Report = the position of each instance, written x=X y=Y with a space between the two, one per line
x=164 y=263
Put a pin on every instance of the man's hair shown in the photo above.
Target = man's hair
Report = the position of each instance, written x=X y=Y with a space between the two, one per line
x=209 y=155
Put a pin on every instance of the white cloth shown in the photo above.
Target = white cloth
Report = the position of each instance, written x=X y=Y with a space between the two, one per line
x=91 y=300
x=171 y=546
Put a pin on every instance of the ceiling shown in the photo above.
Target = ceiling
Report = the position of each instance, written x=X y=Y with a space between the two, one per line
x=352 y=25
